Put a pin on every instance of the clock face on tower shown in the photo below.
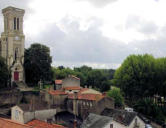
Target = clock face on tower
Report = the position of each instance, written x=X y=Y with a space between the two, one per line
x=17 y=38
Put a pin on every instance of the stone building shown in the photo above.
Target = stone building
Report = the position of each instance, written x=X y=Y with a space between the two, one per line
x=12 y=42
x=79 y=101
x=71 y=81
x=24 y=113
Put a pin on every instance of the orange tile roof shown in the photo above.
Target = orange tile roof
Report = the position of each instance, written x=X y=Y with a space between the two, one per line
x=58 y=81
x=57 y=92
x=72 y=88
x=94 y=97
x=42 y=124
x=6 y=123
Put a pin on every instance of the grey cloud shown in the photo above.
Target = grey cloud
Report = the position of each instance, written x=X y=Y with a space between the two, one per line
x=100 y=3
x=78 y=46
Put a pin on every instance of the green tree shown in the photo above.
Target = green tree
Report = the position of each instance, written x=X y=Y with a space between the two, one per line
x=136 y=76
x=37 y=64
x=4 y=73
x=117 y=95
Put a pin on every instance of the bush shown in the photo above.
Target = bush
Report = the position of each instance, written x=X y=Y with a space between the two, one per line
x=117 y=95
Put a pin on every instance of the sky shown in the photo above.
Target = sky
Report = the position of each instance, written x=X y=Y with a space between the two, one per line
x=97 y=33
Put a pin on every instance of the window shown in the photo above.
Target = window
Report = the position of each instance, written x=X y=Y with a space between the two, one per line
x=14 y=23
x=17 y=23
x=16 y=114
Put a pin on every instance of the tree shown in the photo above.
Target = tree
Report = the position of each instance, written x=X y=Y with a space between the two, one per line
x=37 y=63
x=136 y=76
x=4 y=73
x=117 y=95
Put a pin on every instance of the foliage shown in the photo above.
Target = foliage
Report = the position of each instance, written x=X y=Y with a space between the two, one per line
x=37 y=64
x=137 y=76
x=117 y=95
x=97 y=78
x=4 y=73
x=149 y=108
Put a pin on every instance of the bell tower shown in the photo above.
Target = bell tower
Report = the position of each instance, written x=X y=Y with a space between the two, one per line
x=12 y=42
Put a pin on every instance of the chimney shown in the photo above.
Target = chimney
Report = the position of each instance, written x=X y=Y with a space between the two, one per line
x=111 y=125
x=75 y=124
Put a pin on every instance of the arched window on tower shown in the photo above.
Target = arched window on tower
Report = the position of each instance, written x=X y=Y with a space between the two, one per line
x=16 y=53
x=14 y=23
x=18 y=24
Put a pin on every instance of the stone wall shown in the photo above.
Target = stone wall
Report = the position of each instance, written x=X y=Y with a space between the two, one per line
x=10 y=97
x=84 y=107
x=70 y=81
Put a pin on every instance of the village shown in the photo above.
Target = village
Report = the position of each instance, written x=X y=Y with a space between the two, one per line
x=64 y=104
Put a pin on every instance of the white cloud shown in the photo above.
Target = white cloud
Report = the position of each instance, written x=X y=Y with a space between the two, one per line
x=109 y=30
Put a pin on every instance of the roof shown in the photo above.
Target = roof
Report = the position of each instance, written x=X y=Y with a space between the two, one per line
x=96 y=121
x=28 y=107
x=58 y=81
x=10 y=8
x=42 y=124
x=93 y=97
x=72 y=88
x=120 y=116
x=72 y=76
x=57 y=92
x=6 y=123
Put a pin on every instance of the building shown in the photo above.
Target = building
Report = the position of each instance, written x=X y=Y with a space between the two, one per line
x=124 y=119
x=12 y=42
x=97 y=121
x=70 y=81
x=79 y=101
x=24 y=113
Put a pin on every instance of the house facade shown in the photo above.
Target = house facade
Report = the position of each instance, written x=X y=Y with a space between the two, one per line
x=24 y=113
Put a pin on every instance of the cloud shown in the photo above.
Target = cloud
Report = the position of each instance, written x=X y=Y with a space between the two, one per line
x=100 y=3
x=75 y=47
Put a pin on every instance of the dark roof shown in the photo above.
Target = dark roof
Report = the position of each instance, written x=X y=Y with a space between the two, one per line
x=120 y=116
x=96 y=121
x=34 y=107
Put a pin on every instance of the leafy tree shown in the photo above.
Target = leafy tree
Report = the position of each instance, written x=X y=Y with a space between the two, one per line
x=37 y=63
x=4 y=73
x=117 y=95
x=136 y=76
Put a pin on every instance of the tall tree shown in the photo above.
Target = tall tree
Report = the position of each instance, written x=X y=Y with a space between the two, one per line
x=136 y=76
x=4 y=73
x=37 y=63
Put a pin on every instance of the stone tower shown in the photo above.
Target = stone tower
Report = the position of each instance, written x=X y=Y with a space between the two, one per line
x=12 y=42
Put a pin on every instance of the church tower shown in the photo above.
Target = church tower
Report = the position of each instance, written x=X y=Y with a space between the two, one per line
x=12 y=42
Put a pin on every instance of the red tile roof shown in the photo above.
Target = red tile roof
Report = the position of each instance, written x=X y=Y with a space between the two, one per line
x=94 y=97
x=58 y=81
x=72 y=88
x=57 y=92
x=6 y=123
x=42 y=124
